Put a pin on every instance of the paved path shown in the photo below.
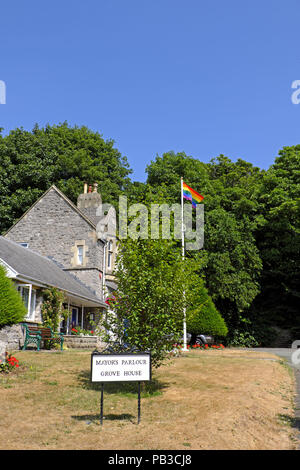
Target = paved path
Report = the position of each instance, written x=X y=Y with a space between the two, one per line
x=286 y=354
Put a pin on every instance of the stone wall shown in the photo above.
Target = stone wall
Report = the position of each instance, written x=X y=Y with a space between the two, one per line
x=3 y=347
x=12 y=337
x=83 y=342
x=54 y=228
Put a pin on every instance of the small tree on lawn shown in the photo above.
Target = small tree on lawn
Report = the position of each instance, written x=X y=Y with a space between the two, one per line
x=12 y=309
x=148 y=311
x=202 y=315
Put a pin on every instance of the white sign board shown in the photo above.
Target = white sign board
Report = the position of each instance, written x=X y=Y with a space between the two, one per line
x=121 y=367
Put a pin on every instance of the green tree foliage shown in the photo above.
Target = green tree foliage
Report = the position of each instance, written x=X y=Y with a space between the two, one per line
x=12 y=309
x=252 y=243
x=65 y=156
x=202 y=315
x=232 y=263
x=250 y=259
x=278 y=240
x=148 y=313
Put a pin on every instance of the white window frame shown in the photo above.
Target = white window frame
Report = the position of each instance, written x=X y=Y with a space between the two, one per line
x=78 y=312
x=31 y=296
x=80 y=261
x=109 y=254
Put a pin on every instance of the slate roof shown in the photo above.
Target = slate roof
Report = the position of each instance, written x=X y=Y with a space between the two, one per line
x=34 y=267
x=111 y=284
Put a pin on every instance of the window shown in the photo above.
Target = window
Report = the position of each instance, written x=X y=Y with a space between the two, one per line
x=32 y=303
x=109 y=254
x=29 y=299
x=74 y=316
x=80 y=254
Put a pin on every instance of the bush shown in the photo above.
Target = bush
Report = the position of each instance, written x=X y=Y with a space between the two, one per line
x=52 y=307
x=10 y=364
x=12 y=309
x=242 y=339
x=251 y=334
x=204 y=318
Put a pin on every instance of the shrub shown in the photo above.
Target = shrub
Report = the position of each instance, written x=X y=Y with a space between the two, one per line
x=52 y=307
x=243 y=339
x=203 y=317
x=10 y=364
x=12 y=309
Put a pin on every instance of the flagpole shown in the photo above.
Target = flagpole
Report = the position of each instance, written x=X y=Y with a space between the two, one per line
x=183 y=256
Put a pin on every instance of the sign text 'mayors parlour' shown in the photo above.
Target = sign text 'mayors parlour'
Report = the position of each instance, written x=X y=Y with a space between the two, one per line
x=120 y=368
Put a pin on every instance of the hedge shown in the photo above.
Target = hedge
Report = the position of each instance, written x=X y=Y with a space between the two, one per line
x=12 y=309
x=204 y=318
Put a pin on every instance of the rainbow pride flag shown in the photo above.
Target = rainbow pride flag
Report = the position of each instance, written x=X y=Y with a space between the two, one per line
x=191 y=195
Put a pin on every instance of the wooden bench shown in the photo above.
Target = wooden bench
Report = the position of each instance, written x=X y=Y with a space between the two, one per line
x=37 y=334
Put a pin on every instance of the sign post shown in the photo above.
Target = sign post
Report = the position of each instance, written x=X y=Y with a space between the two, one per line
x=101 y=404
x=139 y=402
x=122 y=367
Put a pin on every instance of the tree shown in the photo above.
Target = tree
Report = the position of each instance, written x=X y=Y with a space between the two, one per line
x=278 y=241
x=202 y=315
x=12 y=309
x=65 y=156
x=148 y=312
x=233 y=266
x=230 y=260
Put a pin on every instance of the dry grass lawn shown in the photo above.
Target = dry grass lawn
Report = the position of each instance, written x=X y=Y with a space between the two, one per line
x=228 y=399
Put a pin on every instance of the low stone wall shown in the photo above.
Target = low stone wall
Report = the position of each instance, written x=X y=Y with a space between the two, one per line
x=2 y=351
x=83 y=342
x=12 y=336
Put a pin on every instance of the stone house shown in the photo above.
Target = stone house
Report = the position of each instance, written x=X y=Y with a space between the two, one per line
x=80 y=239
x=32 y=273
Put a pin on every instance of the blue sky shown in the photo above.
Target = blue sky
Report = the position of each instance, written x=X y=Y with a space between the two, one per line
x=204 y=77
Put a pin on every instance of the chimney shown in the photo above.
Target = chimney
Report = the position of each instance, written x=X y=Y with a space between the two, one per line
x=89 y=201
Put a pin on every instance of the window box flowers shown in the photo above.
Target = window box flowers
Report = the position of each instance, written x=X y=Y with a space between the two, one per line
x=78 y=331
